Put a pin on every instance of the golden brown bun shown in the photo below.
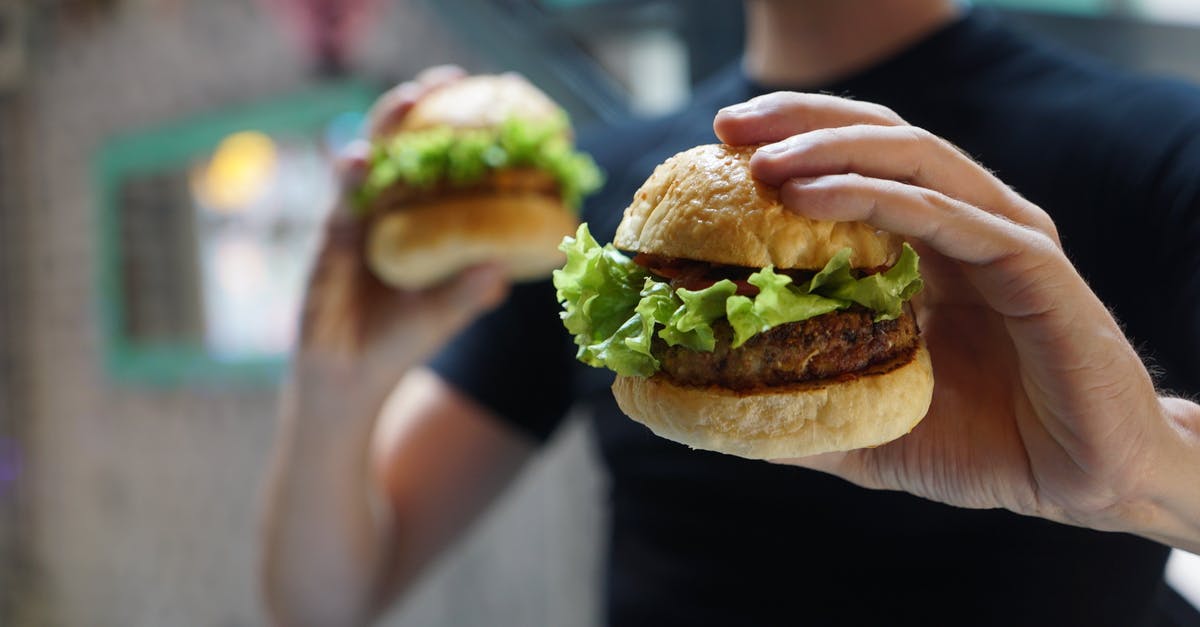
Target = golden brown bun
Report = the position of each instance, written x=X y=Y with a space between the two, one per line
x=417 y=241
x=426 y=243
x=876 y=407
x=482 y=101
x=702 y=204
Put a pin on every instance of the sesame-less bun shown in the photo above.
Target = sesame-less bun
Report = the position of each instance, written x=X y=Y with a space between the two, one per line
x=702 y=204
x=513 y=215
x=877 y=406
x=481 y=101
x=425 y=244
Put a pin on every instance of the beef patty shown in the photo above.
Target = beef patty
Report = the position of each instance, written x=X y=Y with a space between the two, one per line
x=833 y=344
x=501 y=181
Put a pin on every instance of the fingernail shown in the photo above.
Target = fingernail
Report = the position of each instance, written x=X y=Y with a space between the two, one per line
x=741 y=108
x=801 y=181
x=774 y=149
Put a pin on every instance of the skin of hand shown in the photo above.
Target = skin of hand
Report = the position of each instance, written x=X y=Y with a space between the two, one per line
x=1041 y=406
x=352 y=321
x=358 y=338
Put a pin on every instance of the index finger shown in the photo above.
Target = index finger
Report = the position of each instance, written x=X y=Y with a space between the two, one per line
x=776 y=116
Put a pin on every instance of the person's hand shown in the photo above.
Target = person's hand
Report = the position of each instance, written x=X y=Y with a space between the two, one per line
x=354 y=328
x=330 y=554
x=1040 y=403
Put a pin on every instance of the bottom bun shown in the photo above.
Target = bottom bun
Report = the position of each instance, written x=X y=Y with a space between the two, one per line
x=879 y=405
x=424 y=244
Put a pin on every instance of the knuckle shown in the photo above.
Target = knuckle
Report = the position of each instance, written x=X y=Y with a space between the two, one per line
x=936 y=199
x=825 y=139
x=774 y=101
x=886 y=114
x=805 y=144
x=843 y=186
x=1042 y=245
x=921 y=138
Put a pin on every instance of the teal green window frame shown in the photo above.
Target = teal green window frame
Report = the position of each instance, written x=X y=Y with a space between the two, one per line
x=1070 y=7
x=167 y=148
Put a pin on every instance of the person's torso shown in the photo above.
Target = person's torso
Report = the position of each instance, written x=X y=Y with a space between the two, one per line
x=703 y=538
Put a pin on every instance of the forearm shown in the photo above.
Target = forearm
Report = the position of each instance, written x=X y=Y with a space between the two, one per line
x=322 y=539
x=1177 y=486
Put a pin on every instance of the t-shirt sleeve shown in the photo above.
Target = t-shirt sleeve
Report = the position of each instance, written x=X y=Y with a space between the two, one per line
x=519 y=361
x=515 y=360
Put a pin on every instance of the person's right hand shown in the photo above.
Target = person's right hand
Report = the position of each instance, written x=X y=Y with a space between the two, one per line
x=354 y=328
x=1041 y=405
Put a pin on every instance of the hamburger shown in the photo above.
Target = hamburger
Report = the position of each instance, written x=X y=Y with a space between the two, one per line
x=738 y=326
x=481 y=169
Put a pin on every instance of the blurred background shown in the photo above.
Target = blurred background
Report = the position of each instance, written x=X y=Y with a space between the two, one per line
x=164 y=166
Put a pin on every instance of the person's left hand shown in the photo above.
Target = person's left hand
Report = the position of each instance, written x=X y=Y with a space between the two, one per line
x=1040 y=405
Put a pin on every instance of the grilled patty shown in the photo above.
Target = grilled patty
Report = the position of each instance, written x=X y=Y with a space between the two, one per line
x=501 y=181
x=826 y=346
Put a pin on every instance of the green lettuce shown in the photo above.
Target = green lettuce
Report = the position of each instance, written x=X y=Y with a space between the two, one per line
x=779 y=301
x=600 y=290
x=690 y=325
x=423 y=158
x=615 y=308
x=884 y=292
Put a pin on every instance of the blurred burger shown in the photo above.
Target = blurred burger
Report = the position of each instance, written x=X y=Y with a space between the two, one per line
x=741 y=327
x=481 y=169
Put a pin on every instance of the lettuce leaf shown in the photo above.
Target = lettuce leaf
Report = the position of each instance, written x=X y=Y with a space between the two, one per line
x=691 y=323
x=425 y=157
x=884 y=293
x=600 y=290
x=778 y=302
x=615 y=309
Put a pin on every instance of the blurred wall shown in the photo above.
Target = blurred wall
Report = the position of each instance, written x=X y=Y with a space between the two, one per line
x=11 y=558
x=138 y=506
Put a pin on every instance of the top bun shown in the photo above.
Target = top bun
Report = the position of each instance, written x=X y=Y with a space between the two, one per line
x=482 y=101
x=703 y=204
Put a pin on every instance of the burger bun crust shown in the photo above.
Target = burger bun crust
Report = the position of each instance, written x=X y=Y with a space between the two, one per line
x=481 y=101
x=419 y=244
x=427 y=243
x=702 y=204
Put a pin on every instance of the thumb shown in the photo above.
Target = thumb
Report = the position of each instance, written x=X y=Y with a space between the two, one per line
x=830 y=463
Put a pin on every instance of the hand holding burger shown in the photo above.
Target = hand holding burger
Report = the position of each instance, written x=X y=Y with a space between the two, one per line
x=1041 y=406
x=357 y=330
x=467 y=183
x=479 y=169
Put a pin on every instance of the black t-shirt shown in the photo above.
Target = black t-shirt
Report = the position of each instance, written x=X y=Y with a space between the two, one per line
x=700 y=538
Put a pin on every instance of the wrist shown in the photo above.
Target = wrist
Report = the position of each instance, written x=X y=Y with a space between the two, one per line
x=329 y=402
x=320 y=379
x=1173 y=489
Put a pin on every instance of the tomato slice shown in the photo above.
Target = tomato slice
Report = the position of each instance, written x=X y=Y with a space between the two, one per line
x=691 y=275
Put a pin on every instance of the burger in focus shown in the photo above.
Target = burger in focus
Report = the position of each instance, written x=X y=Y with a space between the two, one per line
x=738 y=326
x=482 y=169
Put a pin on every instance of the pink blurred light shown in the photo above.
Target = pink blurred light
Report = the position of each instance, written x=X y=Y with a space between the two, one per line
x=325 y=29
